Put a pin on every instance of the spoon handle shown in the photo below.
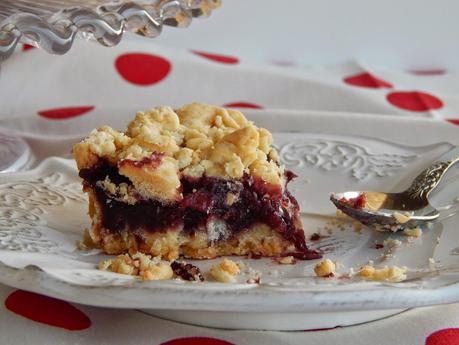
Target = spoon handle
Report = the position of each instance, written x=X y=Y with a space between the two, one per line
x=427 y=180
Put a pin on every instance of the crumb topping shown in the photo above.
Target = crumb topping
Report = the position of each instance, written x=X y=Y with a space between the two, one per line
x=195 y=140
x=225 y=271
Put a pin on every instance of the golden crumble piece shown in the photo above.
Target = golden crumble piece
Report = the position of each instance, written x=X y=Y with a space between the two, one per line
x=286 y=260
x=140 y=265
x=414 y=232
x=391 y=243
x=161 y=271
x=401 y=217
x=325 y=268
x=393 y=274
x=225 y=271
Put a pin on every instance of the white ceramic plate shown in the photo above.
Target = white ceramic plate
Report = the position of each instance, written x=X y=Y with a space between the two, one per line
x=43 y=213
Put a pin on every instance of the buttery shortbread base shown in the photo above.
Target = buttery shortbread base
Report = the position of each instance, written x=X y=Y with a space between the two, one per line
x=258 y=240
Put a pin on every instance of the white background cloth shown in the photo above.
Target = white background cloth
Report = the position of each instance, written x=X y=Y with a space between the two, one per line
x=89 y=86
x=408 y=34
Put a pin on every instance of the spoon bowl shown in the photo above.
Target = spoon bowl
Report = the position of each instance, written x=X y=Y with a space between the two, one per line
x=397 y=211
x=381 y=213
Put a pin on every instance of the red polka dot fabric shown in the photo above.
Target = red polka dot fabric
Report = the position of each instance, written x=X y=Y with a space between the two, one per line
x=246 y=105
x=26 y=47
x=46 y=310
x=197 y=341
x=137 y=75
x=367 y=80
x=447 y=336
x=142 y=69
x=223 y=59
x=64 y=112
x=414 y=100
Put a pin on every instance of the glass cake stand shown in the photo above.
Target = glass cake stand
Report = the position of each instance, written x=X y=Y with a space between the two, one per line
x=52 y=25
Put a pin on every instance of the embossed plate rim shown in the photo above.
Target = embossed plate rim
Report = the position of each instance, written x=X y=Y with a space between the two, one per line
x=294 y=300
x=35 y=280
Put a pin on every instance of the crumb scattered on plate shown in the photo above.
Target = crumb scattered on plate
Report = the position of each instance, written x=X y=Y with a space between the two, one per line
x=326 y=268
x=393 y=274
x=144 y=266
x=286 y=260
x=186 y=271
x=392 y=243
x=224 y=271
x=413 y=232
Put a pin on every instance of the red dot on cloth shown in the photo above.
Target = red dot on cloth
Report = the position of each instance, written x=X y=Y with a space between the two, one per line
x=453 y=121
x=447 y=336
x=243 y=105
x=196 y=341
x=231 y=60
x=414 y=100
x=142 y=69
x=65 y=113
x=26 y=47
x=428 y=72
x=47 y=310
x=366 y=80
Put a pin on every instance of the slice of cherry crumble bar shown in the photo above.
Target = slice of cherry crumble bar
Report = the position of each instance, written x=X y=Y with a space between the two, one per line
x=198 y=182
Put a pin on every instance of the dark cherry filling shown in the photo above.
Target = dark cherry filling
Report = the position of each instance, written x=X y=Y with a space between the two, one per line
x=204 y=199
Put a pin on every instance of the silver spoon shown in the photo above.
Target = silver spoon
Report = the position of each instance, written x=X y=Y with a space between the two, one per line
x=396 y=211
